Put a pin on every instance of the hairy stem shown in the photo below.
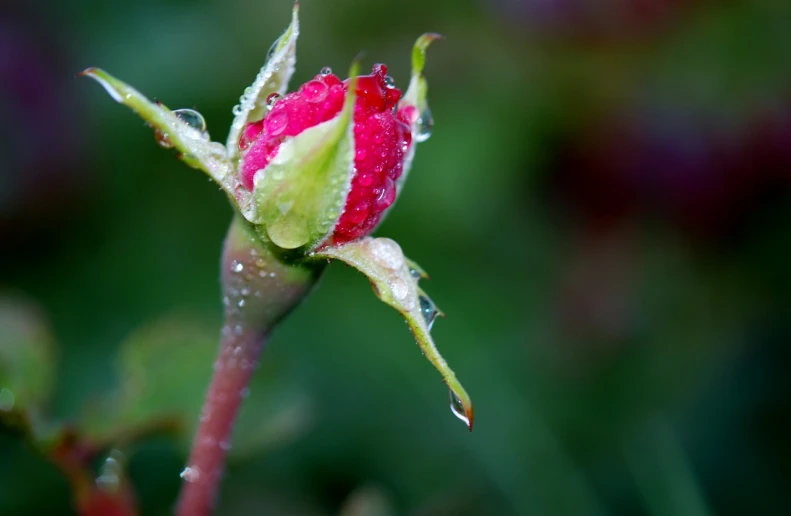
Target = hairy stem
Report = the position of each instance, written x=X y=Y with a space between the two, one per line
x=259 y=289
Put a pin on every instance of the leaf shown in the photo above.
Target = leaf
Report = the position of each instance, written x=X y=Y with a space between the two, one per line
x=27 y=358
x=395 y=281
x=194 y=146
x=301 y=193
x=164 y=370
x=272 y=78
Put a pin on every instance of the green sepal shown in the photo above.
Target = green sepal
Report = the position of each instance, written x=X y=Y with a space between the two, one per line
x=395 y=281
x=418 y=87
x=194 y=146
x=272 y=78
x=301 y=193
x=415 y=95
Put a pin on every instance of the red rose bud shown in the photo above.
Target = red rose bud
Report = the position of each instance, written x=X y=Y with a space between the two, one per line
x=382 y=137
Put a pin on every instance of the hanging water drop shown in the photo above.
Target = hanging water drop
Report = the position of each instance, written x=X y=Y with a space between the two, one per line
x=428 y=309
x=457 y=407
x=271 y=99
x=326 y=70
x=389 y=82
x=192 y=118
x=425 y=123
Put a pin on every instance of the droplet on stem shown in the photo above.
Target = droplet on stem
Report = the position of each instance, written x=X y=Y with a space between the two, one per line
x=192 y=118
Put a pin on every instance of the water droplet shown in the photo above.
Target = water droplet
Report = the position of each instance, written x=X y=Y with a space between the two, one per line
x=276 y=122
x=190 y=474
x=387 y=253
x=237 y=266
x=457 y=408
x=271 y=99
x=237 y=110
x=192 y=118
x=272 y=49
x=389 y=82
x=241 y=303
x=245 y=291
x=428 y=309
x=326 y=70
x=399 y=288
x=415 y=273
x=425 y=123
x=109 y=478
x=7 y=400
x=314 y=91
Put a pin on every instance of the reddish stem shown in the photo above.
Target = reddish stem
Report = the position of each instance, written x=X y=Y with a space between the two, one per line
x=232 y=372
x=259 y=289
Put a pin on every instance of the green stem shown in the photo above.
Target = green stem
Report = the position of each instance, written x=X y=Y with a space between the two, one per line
x=259 y=289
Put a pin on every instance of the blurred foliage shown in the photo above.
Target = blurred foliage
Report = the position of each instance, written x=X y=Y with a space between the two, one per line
x=603 y=208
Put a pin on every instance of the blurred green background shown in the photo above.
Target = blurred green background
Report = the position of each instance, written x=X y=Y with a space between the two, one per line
x=603 y=208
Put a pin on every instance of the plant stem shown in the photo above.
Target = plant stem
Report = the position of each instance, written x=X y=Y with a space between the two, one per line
x=259 y=289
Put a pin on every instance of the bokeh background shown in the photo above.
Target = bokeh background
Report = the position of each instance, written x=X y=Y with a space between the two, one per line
x=603 y=208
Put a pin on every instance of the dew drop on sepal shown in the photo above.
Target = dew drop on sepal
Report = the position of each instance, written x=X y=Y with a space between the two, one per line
x=271 y=99
x=192 y=118
x=428 y=309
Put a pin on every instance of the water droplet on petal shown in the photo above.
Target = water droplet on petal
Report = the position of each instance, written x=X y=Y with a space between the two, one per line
x=271 y=99
x=389 y=82
x=428 y=309
x=315 y=91
x=190 y=474
x=425 y=123
x=276 y=123
x=237 y=266
x=326 y=70
x=192 y=118
x=457 y=407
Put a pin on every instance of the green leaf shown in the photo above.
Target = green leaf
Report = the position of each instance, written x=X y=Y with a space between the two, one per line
x=192 y=143
x=272 y=78
x=301 y=193
x=395 y=281
x=164 y=370
x=27 y=358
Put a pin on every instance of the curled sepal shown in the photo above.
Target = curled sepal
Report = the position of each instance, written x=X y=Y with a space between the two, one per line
x=418 y=87
x=300 y=194
x=272 y=78
x=414 y=100
x=181 y=133
x=395 y=281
